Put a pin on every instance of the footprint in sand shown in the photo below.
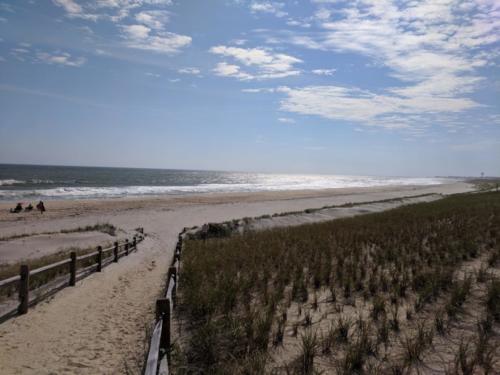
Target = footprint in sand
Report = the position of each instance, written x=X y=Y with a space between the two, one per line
x=152 y=266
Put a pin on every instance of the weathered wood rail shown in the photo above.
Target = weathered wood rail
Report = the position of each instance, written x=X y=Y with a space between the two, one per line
x=158 y=359
x=77 y=268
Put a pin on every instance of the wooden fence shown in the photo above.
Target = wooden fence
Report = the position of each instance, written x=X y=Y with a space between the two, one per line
x=78 y=267
x=158 y=359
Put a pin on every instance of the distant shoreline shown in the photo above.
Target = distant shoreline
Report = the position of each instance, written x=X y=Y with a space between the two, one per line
x=234 y=196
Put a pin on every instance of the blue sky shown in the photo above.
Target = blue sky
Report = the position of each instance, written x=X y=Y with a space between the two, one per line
x=314 y=86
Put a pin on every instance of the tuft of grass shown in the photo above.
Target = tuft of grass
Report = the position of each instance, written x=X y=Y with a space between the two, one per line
x=440 y=323
x=378 y=308
x=309 y=348
x=415 y=346
x=342 y=329
x=493 y=299
x=459 y=293
x=328 y=340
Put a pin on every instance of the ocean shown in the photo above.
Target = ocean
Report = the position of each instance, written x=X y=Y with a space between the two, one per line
x=30 y=182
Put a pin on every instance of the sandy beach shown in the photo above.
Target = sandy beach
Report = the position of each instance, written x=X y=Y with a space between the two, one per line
x=99 y=326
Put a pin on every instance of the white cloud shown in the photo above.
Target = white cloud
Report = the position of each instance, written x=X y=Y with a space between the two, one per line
x=101 y=52
x=60 y=58
x=228 y=70
x=20 y=50
x=69 y=6
x=295 y=22
x=368 y=108
x=147 y=29
x=136 y=31
x=75 y=10
x=155 y=19
x=141 y=37
x=267 y=64
x=130 y=3
x=322 y=14
x=239 y=42
x=270 y=7
x=434 y=48
x=155 y=75
x=189 y=70
x=323 y=72
x=286 y=120
x=257 y=90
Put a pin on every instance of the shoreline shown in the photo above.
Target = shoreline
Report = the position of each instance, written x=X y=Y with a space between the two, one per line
x=57 y=207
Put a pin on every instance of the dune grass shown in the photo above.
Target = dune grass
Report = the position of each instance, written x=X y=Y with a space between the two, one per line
x=236 y=292
x=99 y=227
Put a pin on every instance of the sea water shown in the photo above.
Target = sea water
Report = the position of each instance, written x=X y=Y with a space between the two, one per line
x=19 y=182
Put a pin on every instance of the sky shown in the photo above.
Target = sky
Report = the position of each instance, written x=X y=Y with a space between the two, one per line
x=371 y=87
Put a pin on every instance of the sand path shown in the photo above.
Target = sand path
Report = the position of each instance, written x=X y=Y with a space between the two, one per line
x=99 y=325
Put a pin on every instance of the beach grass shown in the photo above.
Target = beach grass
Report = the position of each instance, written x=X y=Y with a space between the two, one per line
x=99 y=227
x=369 y=293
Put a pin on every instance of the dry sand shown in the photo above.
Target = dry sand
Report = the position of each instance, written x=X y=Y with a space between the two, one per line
x=39 y=245
x=99 y=325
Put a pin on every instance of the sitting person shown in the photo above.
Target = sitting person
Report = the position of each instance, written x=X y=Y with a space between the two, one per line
x=40 y=207
x=19 y=208
x=29 y=207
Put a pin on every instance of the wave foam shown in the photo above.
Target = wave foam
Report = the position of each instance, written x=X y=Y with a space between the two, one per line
x=9 y=182
x=275 y=183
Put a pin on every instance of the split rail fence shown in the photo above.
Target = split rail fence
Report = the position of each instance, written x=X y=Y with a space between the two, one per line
x=61 y=274
x=158 y=359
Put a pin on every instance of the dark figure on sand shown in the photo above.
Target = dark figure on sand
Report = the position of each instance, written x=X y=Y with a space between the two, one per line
x=28 y=208
x=19 y=208
x=40 y=207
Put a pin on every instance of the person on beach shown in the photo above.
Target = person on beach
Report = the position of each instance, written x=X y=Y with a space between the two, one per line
x=29 y=208
x=40 y=207
x=19 y=208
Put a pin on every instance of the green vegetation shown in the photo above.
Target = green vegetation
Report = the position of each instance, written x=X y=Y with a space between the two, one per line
x=485 y=184
x=396 y=271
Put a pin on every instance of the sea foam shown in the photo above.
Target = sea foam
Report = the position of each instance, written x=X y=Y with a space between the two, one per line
x=265 y=183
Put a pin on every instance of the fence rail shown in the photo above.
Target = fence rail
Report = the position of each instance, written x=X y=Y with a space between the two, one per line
x=158 y=358
x=78 y=267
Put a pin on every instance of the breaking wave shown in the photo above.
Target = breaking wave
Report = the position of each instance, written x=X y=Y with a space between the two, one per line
x=271 y=183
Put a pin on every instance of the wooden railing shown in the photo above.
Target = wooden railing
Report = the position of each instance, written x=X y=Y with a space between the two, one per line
x=158 y=358
x=77 y=267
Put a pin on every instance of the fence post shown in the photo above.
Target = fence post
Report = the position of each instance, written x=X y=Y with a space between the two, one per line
x=99 y=259
x=163 y=313
x=72 y=269
x=173 y=274
x=115 y=251
x=134 y=243
x=24 y=287
x=126 y=246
